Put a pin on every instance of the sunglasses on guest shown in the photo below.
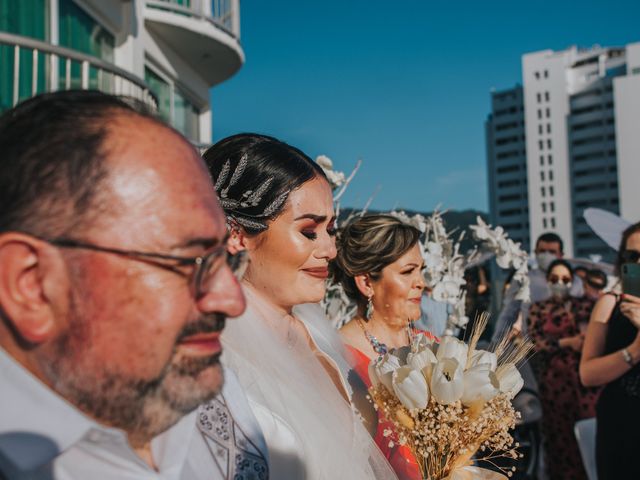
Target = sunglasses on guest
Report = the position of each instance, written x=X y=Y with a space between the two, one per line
x=553 y=278
x=630 y=256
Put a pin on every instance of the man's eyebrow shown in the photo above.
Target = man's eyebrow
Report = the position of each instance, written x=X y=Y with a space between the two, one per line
x=204 y=242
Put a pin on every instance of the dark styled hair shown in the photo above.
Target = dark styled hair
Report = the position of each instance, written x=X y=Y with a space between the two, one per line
x=635 y=228
x=253 y=176
x=367 y=245
x=52 y=160
x=560 y=261
x=550 y=237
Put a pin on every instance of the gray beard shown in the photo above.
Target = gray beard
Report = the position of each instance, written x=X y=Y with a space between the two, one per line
x=142 y=408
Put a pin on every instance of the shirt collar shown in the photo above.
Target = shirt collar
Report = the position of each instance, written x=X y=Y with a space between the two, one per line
x=36 y=424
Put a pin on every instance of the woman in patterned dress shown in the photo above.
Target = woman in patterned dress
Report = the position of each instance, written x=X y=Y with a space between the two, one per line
x=556 y=326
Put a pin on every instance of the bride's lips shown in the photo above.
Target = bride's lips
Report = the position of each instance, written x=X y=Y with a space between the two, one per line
x=201 y=344
x=415 y=300
x=318 y=272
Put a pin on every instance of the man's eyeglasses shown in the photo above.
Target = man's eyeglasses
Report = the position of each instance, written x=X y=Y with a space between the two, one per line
x=206 y=266
x=630 y=256
x=557 y=279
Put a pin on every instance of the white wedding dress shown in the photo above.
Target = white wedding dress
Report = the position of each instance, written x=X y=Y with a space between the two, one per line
x=298 y=395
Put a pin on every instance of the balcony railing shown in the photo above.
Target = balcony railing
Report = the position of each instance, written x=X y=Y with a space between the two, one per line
x=32 y=66
x=222 y=13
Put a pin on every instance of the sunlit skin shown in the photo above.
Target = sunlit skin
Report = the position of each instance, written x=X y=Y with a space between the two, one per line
x=116 y=323
x=289 y=261
x=396 y=301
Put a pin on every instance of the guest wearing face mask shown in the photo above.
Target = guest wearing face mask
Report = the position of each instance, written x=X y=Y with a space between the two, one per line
x=555 y=328
x=549 y=247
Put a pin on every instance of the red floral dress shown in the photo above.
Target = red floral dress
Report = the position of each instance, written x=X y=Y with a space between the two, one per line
x=399 y=456
x=564 y=399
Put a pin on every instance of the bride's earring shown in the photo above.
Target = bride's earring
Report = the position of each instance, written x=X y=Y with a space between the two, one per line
x=369 y=311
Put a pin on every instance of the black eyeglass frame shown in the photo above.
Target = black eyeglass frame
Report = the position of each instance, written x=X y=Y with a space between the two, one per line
x=239 y=259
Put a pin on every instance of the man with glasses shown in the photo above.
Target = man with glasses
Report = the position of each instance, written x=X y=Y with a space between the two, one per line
x=115 y=284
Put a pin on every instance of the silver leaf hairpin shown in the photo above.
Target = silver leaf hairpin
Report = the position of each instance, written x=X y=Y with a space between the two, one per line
x=248 y=223
x=255 y=197
x=224 y=173
x=275 y=205
x=237 y=173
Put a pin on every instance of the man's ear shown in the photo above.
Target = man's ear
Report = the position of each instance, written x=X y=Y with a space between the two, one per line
x=24 y=271
x=363 y=283
x=237 y=240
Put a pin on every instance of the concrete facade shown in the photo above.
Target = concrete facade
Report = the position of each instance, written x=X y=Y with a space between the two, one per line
x=581 y=109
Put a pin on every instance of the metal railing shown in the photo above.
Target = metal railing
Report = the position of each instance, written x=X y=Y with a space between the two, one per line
x=52 y=68
x=222 y=13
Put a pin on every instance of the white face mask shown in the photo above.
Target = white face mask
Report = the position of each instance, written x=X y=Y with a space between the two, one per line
x=544 y=259
x=560 y=290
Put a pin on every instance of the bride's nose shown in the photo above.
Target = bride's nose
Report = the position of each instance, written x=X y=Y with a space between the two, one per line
x=327 y=247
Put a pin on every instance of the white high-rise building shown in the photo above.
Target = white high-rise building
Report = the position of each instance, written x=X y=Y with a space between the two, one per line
x=580 y=111
x=166 y=53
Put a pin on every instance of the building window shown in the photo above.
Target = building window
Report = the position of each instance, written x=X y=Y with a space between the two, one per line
x=80 y=31
x=539 y=114
x=549 y=143
x=544 y=223
x=551 y=191
x=542 y=176
x=539 y=97
x=29 y=18
x=546 y=74
x=546 y=96
x=173 y=106
x=162 y=91
x=553 y=222
x=544 y=207
x=550 y=175
x=540 y=129
x=548 y=112
x=552 y=206
x=550 y=160
x=548 y=128
x=543 y=191
x=541 y=160
x=537 y=75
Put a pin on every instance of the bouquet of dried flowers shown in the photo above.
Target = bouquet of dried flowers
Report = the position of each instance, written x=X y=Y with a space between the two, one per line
x=450 y=403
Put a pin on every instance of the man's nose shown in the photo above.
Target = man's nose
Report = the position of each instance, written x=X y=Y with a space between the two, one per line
x=223 y=295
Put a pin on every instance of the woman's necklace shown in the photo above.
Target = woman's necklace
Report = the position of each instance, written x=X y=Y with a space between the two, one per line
x=379 y=347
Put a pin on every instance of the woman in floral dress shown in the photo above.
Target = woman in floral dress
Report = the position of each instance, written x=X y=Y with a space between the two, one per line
x=556 y=326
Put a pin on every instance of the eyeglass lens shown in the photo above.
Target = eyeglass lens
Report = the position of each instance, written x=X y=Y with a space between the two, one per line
x=213 y=263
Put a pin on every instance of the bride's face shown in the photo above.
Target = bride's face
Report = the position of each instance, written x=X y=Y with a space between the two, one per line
x=398 y=292
x=289 y=261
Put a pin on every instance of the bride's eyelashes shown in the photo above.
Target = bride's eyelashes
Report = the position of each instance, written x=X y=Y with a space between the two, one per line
x=312 y=235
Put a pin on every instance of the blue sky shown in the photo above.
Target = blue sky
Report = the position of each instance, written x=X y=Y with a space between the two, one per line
x=402 y=84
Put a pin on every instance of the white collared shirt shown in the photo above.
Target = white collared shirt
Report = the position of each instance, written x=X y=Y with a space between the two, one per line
x=44 y=437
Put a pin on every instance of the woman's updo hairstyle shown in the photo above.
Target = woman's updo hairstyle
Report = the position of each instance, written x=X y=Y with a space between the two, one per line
x=253 y=176
x=367 y=245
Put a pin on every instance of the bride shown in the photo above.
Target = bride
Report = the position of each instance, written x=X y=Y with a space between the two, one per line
x=279 y=208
